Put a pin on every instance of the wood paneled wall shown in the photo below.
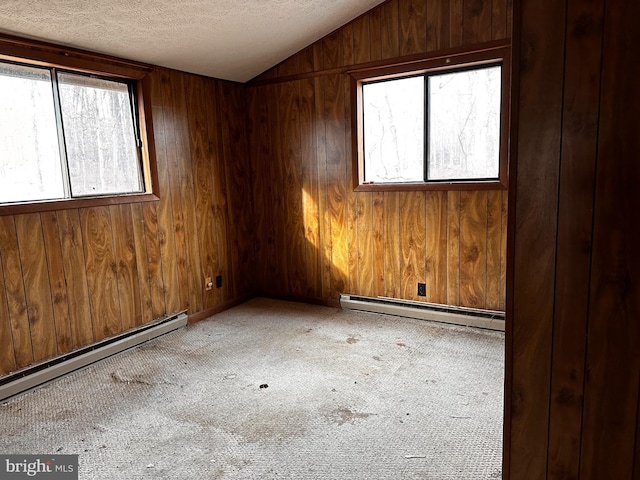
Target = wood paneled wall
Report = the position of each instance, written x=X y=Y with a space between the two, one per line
x=315 y=237
x=573 y=361
x=70 y=278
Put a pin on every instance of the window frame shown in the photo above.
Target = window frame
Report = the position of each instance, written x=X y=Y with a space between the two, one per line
x=493 y=53
x=40 y=54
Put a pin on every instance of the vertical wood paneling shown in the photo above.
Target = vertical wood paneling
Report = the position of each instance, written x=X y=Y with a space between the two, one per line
x=14 y=286
x=293 y=193
x=412 y=243
x=154 y=258
x=169 y=216
x=310 y=189
x=389 y=23
x=535 y=214
x=453 y=248
x=203 y=193
x=392 y=256
x=127 y=266
x=194 y=277
x=101 y=271
x=494 y=253
x=473 y=249
x=413 y=34
x=379 y=285
x=36 y=285
x=142 y=262
x=577 y=176
x=7 y=353
x=335 y=126
x=75 y=273
x=361 y=43
x=612 y=384
x=59 y=297
x=436 y=247
x=438 y=24
x=476 y=21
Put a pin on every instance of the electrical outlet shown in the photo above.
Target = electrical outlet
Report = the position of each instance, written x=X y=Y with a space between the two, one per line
x=422 y=289
x=218 y=281
x=208 y=284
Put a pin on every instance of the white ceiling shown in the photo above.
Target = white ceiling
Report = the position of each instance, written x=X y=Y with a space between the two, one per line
x=228 y=39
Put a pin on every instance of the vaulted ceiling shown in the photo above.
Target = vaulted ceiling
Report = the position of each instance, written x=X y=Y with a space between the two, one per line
x=228 y=39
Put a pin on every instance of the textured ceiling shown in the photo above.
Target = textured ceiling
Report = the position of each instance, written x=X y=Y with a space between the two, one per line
x=228 y=39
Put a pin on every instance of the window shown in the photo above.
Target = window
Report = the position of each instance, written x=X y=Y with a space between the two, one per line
x=65 y=135
x=74 y=129
x=438 y=123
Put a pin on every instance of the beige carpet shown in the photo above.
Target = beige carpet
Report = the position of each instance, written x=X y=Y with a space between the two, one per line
x=345 y=395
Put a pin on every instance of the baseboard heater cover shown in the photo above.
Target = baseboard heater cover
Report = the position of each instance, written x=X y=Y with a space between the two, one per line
x=469 y=317
x=31 y=377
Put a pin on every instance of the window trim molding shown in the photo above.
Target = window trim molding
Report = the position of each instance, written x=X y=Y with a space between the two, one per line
x=36 y=53
x=442 y=60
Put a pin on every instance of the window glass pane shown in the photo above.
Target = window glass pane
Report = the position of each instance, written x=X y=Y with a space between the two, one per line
x=29 y=153
x=464 y=124
x=99 y=136
x=394 y=130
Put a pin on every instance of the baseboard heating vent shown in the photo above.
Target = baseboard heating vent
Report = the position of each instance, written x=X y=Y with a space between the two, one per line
x=470 y=317
x=36 y=375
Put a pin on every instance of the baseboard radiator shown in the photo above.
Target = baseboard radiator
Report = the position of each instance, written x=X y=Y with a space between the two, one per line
x=470 y=317
x=36 y=375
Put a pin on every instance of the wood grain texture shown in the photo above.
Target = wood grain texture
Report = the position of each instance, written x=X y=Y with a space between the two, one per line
x=412 y=243
x=101 y=271
x=60 y=301
x=476 y=21
x=16 y=299
x=193 y=274
x=390 y=25
x=438 y=25
x=413 y=34
x=612 y=395
x=37 y=286
x=473 y=249
x=76 y=277
x=7 y=353
x=494 y=240
x=453 y=248
x=573 y=263
x=436 y=247
x=127 y=266
x=142 y=262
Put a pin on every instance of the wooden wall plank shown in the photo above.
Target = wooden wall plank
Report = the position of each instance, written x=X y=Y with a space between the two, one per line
x=154 y=259
x=577 y=177
x=476 y=21
x=436 y=247
x=413 y=34
x=438 y=24
x=375 y=33
x=142 y=263
x=289 y=115
x=101 y=271
x=310 y=189
x=456 y=23
x=336 y=182
x=390 y=25
x=203 y=191
x=499 y=20
x=494 y=253
x=127 y=266
x=379 y=275
x=503 y=251
x=321 y=156
x=539 y=100
x=7 y=353
x=453 y=248
x=36 y=285
x=361 y=45
x=75 y=273
x=16 y=298
x=332 y=53
x=220 y=208
x=194 y=278
x=473 y=248
x=412 y=243
x=169 y=216
x=55 y=268
x=612 y=386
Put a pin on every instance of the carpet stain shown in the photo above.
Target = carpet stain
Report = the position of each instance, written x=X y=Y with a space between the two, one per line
x=352 y=340
x=344 y=415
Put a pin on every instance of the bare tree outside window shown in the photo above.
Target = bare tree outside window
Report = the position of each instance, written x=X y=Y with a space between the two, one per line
x=29 y=154
x=99 y=136
x=394 y=130
x=464 y=124
x=65 y=135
